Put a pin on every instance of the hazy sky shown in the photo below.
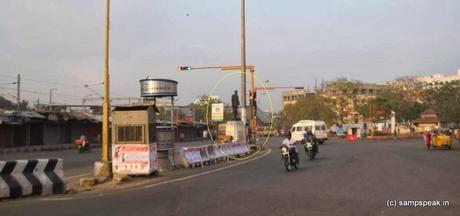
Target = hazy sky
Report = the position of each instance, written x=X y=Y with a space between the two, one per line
x=59 y=43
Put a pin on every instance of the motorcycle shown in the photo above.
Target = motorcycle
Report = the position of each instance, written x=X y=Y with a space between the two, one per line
x=310 y=152
x=288 y=161
x=82 y=146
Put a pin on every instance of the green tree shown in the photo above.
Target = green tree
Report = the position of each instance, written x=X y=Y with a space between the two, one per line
x=199 y=108
x=407 y=100
x=446 y=101
x=343 y=94
x=374 y=109
x=312 y=107
x=6 y=104
x=414 y=111
x=412 y=89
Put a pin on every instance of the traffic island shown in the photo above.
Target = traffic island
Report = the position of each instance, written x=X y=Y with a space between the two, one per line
x=128 y=182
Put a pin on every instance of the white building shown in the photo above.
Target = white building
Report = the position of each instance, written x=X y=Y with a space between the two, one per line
x=291 y=96
x=438 y=79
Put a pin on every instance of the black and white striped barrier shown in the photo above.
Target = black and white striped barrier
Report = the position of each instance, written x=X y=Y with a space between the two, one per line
x=31 y=177
x=194 y=156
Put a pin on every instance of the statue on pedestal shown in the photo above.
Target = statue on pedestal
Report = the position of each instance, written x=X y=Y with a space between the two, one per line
x=235 y=104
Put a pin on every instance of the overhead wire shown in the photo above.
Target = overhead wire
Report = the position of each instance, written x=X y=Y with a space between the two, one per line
x=85 y=86
x=42 y=81
x=45 y=93
x=8 y=93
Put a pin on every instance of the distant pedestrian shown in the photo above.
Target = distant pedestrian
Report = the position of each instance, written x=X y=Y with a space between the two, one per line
x=205 y=135
x=427 y=139
x=214 y=134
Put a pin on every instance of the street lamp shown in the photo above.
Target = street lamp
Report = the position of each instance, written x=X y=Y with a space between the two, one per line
x=243 y=61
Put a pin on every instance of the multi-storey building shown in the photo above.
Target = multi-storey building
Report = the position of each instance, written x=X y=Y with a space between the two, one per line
x=437 y=80
x=291 y=96
x=360 y=90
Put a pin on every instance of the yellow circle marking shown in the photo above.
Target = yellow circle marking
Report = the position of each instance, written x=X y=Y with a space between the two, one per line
x=207 y=113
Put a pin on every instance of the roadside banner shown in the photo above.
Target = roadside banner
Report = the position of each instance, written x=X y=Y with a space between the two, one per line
x=217 y=112
x=134 y=158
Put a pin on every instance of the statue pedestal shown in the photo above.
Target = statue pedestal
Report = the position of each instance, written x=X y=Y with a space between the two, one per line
x=236 y=129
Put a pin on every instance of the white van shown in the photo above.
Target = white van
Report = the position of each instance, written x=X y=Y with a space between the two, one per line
x=316 y=127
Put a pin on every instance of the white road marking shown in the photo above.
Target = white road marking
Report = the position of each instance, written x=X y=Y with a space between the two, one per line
x=76 y=176
x=57 y=199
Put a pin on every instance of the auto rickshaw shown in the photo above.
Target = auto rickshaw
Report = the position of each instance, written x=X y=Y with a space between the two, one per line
x=442 y=140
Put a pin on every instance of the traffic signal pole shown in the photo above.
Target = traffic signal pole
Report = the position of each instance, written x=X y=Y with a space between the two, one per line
x=252 y=94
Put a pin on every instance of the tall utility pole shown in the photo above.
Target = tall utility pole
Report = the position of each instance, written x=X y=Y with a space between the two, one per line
x=106 y=105
x=51 y=95
x=18 y=96
x=106 y=171
x=243 y=62
x=243 y=65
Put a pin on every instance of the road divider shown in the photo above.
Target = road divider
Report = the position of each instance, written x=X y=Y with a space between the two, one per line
x=31 y=177
x=198 y=156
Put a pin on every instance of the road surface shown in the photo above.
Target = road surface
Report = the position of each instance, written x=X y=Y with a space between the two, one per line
x=346 y=179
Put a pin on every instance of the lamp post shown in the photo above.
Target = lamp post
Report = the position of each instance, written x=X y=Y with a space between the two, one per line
x=18 y=97
x=104 y=166
x=51 y=97
x=243 y=63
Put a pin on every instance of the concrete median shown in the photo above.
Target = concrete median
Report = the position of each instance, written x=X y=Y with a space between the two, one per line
x=31 y=177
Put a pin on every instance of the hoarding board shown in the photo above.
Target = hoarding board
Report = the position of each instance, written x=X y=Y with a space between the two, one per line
x=158 y=87
x=217 y=111
x=134 y=159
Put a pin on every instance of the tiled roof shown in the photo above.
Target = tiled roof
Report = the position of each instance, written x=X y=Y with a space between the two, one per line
x=427 y=120
x=428 y=112
x=83 y=116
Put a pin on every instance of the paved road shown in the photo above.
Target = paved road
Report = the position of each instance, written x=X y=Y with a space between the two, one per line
x=346 y=179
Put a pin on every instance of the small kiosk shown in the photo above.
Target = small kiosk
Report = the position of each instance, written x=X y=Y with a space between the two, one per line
x=134 y=148
x=151 y=90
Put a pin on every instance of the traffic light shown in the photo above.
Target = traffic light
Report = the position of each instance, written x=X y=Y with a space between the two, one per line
x=184 y=68
x=252 y=95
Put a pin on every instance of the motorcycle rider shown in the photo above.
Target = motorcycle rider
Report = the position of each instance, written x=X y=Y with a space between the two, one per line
x=84 y=141
x=308 y=135
x=290 y=144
